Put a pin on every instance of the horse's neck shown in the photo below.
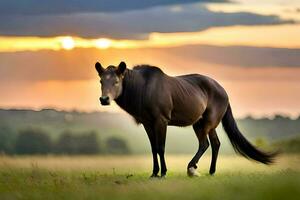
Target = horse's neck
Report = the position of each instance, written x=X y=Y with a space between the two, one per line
x=130 y=98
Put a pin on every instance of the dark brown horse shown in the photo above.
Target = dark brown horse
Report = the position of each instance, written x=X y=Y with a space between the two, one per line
x=157 y=100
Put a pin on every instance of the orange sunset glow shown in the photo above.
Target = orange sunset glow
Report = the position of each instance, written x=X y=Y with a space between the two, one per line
x=250 y=47
x=236 y=35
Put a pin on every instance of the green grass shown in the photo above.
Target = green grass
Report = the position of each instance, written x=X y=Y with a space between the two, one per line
x=127 y=178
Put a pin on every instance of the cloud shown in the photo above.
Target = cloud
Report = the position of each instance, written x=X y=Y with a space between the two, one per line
x=131 y=24
x=36 y=7
x=240 y=56
x=78 y=64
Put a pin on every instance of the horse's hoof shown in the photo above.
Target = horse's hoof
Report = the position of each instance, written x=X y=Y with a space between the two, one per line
x=212 y=171
x=163 y=176
x=192 y=172
x=154 y=176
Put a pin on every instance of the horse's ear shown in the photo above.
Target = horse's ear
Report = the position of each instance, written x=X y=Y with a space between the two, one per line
x=121 y=68
x=99 y=68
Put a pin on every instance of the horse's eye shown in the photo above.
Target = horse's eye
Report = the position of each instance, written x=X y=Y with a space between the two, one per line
x=116 y=83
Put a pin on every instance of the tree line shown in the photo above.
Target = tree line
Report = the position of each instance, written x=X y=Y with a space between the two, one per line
x=37 y=141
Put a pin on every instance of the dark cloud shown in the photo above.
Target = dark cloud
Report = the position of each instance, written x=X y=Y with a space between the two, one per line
x=132 y=24
x=78 y=64
x=46 y=7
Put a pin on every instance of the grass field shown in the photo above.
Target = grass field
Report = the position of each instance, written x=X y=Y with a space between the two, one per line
x=105 y=177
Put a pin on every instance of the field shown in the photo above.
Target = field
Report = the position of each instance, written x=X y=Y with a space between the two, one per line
x=126 y=177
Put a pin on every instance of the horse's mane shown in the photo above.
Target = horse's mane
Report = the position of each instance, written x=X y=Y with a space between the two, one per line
x=147 y=70
x=135 y=83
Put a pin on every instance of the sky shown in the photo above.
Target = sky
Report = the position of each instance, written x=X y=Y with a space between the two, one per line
x=251 y=47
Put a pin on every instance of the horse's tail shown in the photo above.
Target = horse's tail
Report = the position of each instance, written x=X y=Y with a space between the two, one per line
x=240 y=144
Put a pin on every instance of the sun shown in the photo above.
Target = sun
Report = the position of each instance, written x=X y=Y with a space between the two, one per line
x=103 y=43
x=67 y=43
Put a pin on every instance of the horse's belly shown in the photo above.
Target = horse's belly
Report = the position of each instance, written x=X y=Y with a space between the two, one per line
x=186 y=117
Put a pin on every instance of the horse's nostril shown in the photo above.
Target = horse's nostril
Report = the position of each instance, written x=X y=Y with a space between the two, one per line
x=104 y=100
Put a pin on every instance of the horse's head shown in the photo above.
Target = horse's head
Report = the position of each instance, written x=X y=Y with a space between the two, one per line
x=111 y=81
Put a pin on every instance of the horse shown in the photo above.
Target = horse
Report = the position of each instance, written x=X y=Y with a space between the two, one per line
x=157 y=100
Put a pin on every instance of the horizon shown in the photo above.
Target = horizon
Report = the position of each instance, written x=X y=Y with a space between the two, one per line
x=269 y=117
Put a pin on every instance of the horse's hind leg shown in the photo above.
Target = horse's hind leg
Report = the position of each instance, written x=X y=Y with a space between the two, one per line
x=215 y=145
x=201 y=133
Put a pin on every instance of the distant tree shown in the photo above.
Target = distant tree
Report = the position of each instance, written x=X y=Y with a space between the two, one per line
x=88 y=143
x=33 y=141
x=84 y=143
x=291 y=145
x=66 y=144
x=260 y=142
x=7 y=140
x=116 y=145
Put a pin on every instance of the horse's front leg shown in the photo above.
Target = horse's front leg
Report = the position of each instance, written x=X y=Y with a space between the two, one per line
x=160 y=129
x=151 y=135
x=156 y=132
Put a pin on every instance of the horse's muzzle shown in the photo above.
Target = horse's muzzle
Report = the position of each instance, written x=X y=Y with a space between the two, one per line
x=104 y=100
